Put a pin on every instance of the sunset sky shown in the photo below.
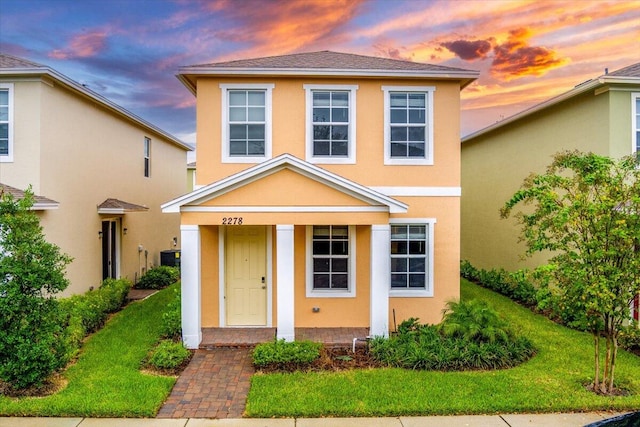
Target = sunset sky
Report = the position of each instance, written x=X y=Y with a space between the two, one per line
x=130 y=50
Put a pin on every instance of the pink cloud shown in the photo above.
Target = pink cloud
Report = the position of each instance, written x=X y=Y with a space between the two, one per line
x=82 y=46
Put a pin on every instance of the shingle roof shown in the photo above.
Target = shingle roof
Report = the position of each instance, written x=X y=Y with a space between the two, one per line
x=630 y=71
x=328 y=60
x=10 y=61
x=40 y=202
x=13 y=66
x=118 y=206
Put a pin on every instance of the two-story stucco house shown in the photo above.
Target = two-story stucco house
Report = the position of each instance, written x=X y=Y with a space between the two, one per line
x=601 y=115
x=328 y=193
x=101 y=172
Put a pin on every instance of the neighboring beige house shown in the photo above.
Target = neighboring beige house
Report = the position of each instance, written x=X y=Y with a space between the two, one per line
x=327 y=194
x=103 y=170
x=601 y=115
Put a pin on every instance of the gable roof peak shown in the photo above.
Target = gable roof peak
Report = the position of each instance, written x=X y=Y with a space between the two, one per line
x=10 y=61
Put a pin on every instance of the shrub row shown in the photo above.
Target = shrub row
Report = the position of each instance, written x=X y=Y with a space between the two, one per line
x=531 y=289
x=159 y=277
x=280 y=354
x=471 y=336
x=88 y=312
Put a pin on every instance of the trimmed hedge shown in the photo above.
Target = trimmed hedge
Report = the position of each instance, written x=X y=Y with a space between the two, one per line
x=280 y=354
x=88 y=312
x=159 y=277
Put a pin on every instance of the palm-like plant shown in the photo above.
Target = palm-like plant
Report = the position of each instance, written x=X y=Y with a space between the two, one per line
x=473 y=321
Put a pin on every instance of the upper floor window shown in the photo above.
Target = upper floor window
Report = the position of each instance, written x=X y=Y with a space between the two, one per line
x=412 y=257
x=246 y=123
x=408 y=125
x=6 y=122
x=331 y=129
x=147 y=157
x=635 y=120
x=330 y=261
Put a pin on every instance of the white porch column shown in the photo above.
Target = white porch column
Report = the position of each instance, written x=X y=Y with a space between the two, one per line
x=285 y=277
x=190 y=278
x=380 y=279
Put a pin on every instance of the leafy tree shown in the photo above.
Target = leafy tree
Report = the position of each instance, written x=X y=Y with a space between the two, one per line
x=586 y=213
x=31 y=273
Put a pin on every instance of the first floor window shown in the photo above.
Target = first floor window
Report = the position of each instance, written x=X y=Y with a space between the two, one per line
x=409 y=256
x=330 y=257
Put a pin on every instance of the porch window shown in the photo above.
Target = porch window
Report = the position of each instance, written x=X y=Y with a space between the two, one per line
x=330 y=123
x=246 y=129
x=6 y=122
x=330 y=264
x=412 y=259
x=408 y=125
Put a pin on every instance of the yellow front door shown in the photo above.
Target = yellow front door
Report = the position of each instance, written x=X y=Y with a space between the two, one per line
x=246 y=285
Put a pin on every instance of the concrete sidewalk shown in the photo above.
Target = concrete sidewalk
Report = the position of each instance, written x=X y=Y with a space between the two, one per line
x=510 y=420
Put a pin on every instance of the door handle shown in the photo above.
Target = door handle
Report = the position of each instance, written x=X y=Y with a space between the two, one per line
x=262 y=279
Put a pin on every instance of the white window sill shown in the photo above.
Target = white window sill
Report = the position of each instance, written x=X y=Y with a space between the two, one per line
x=397 y=293
x=331 y=294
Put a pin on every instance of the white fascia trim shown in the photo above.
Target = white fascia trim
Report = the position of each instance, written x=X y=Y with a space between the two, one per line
x=224 y=88
x=45 y=206
x=277 y=209
x=351 y=158
x=445 y=74
x=420 y=191
x=311 y=293
x=428 y=160
x=426 y=293
x=276 y=164
x=9 y=88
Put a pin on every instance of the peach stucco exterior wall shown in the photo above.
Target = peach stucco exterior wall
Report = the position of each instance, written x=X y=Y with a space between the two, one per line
x=286 y=188
x=289 y=132
x=76 y=152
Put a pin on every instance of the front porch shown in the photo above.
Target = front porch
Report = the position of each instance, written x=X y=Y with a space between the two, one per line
x=249 y=337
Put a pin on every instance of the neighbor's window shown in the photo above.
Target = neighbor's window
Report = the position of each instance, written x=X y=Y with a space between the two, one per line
x=408 y=132
x=147 y=157
x=246 y=123
x=331 y=123
x=411 y=258
x=635 y=106
x=6 y=122
x=331 y=262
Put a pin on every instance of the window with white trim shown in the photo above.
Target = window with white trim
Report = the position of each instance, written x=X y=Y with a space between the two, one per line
x=412 y=258
x=635 y=120
x=331 y=129
x=6 y=122
x=330 y=260
x=246 y=123
x=147 y=157
x=408 y=125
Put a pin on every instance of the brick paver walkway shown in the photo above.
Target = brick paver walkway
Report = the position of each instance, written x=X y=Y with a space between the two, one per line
x=214 y=385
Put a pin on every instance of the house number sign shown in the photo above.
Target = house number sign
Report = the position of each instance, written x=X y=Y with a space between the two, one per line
x=236 y=220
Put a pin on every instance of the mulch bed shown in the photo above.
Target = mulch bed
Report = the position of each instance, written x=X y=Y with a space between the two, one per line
x=331 y=359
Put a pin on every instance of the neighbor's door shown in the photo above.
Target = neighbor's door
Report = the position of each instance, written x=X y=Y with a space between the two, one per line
x=109 y=249
x=245 y=270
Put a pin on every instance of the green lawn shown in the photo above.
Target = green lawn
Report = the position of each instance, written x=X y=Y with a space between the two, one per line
x=550 y=382
x=106 y=381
